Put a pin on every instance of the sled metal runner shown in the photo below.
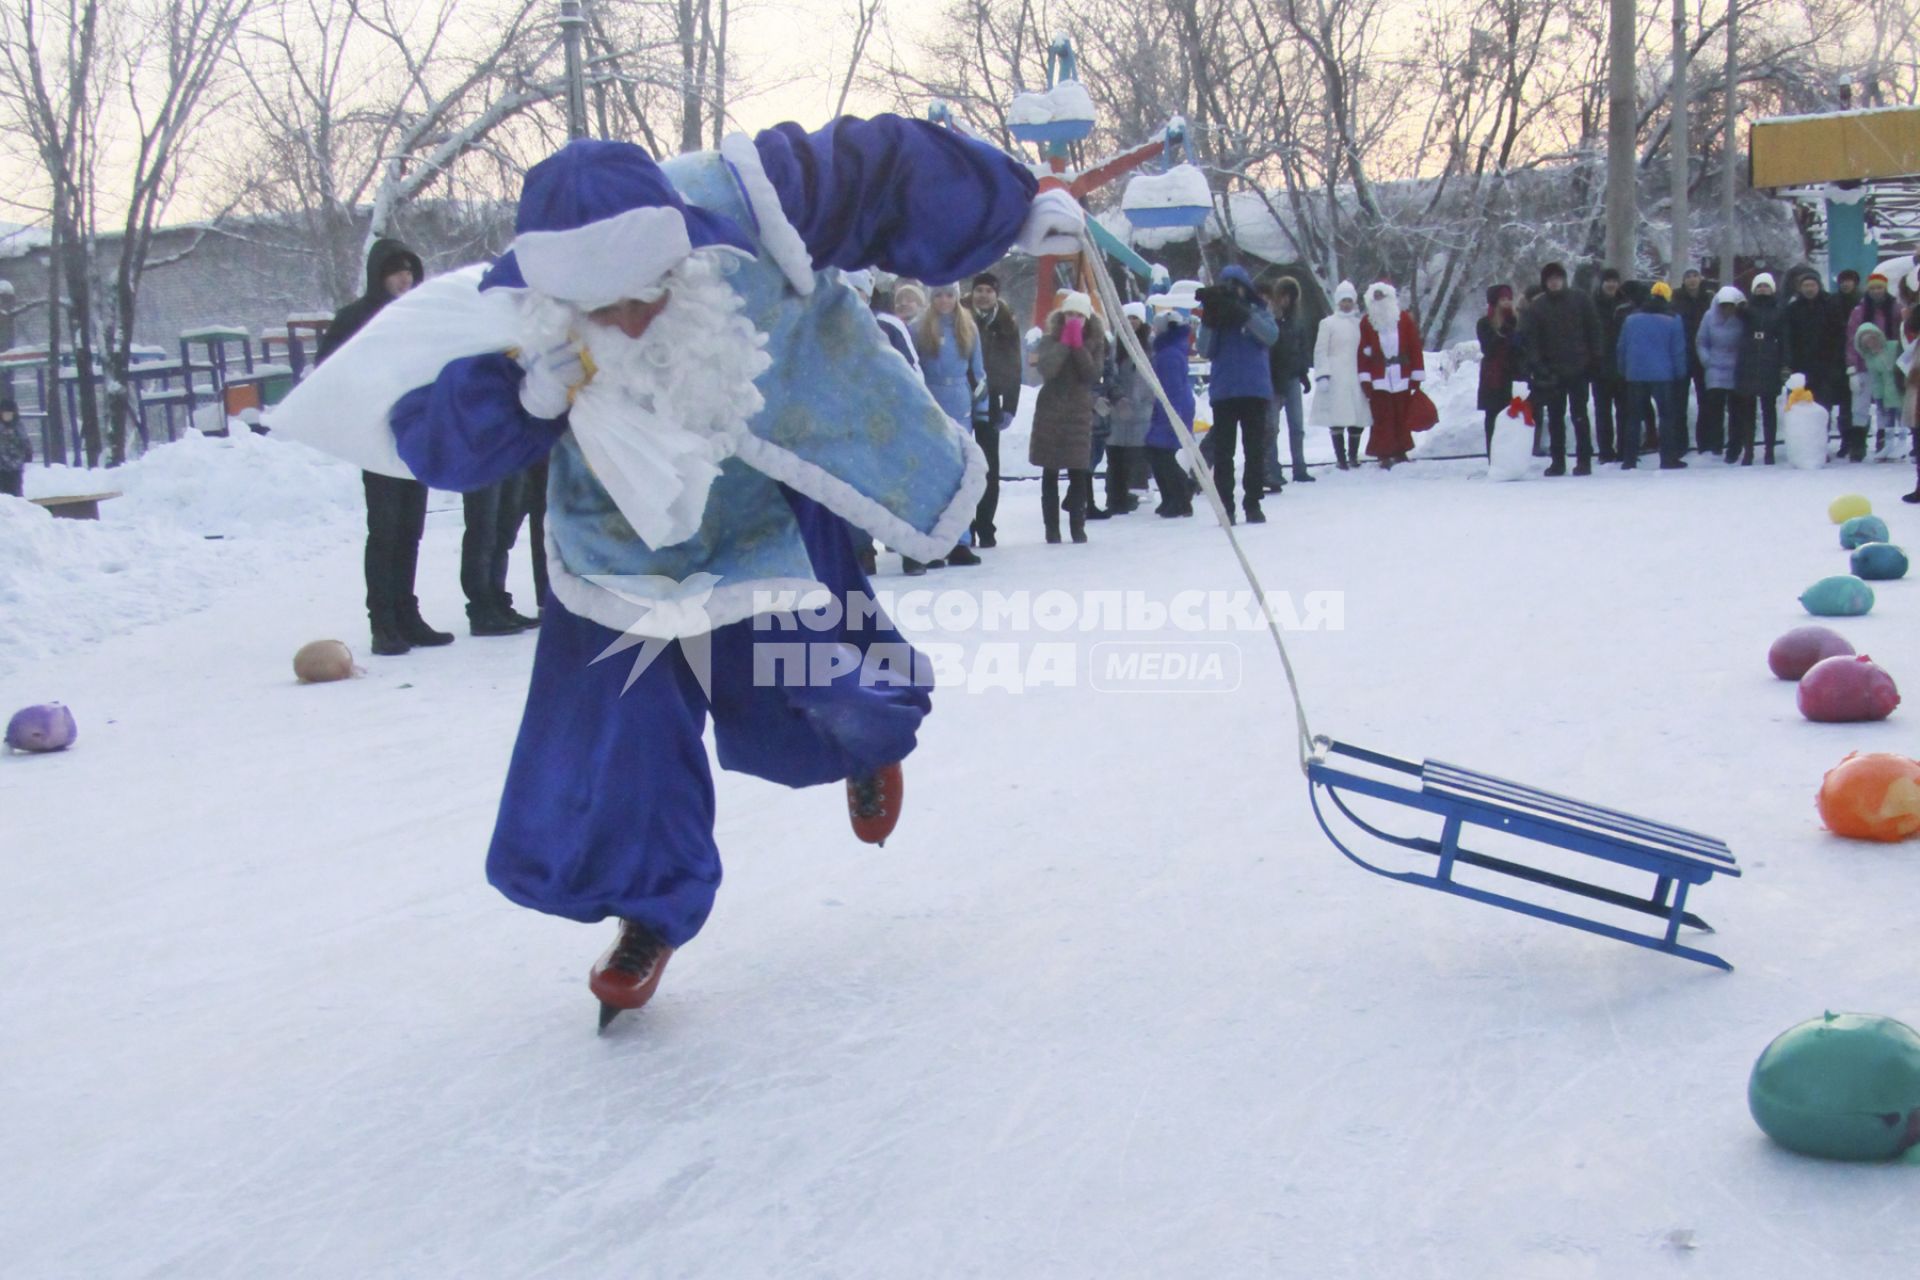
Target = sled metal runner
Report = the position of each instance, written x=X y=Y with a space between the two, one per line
x=1678 y=859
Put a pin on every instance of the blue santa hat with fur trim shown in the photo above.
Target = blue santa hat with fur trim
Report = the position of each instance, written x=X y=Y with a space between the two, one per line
x=599 y=222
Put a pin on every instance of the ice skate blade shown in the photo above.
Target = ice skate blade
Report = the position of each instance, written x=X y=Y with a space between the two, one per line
x=608 y=1012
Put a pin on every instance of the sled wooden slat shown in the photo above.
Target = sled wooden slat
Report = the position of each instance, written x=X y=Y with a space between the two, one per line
x=1676 y=857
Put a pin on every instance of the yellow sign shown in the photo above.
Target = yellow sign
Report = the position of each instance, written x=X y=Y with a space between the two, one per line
x=1799 y=151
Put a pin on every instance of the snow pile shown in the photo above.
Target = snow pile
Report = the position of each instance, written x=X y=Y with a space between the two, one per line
x=1181 y=187
x=1453 y=384
x=194 y=517
x=1068 y=100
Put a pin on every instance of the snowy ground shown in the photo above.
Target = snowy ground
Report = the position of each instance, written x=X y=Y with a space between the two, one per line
x=1107 y=1005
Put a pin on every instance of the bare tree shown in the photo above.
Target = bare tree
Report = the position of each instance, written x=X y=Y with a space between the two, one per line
x=361 y=107
x=57 y=57
x=171 y=66
x=865 y=14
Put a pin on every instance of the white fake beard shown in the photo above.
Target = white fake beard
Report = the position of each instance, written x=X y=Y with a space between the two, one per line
x=662 y=410
x=1385 y=314
x=694 y=367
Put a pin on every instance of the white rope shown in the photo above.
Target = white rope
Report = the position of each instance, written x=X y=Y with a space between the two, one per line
x=1110 y=298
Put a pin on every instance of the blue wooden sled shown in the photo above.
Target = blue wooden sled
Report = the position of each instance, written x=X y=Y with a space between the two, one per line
x=1677 y=858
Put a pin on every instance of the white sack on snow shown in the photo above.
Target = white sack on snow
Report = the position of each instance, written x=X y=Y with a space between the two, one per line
x=1511 y=457
x=1805 y=428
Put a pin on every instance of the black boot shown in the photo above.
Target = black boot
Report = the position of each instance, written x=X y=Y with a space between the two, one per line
x=912 y=568
x=490 y=622
x=1255 y=515
x=415 y=631
x=1339 y=447
x=962 y=555
x=387 y=640
x=504 y=606
x=869 y=561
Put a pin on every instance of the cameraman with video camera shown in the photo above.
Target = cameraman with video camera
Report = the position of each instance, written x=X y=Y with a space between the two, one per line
x=1237 y=328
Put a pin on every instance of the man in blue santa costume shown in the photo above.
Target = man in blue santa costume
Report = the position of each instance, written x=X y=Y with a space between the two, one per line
x=718 y=408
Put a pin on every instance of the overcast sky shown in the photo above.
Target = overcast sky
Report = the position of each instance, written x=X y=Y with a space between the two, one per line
x=803 y=45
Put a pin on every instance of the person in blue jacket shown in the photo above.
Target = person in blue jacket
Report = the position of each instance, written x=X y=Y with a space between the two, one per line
x=1237 y=328
x=718 y=412
x=1652 y=361
x=1172 y=344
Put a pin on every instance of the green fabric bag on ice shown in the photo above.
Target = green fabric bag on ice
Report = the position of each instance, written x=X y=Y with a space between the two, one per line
x=1879 y=561
x=1845 y=1086
x=1861 y=530
x=1843 y=596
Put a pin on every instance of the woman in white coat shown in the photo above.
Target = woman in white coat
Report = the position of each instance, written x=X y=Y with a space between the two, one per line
x=1338 y=402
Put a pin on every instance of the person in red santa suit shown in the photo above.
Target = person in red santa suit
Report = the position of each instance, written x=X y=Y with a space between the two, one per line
x=1392 y=369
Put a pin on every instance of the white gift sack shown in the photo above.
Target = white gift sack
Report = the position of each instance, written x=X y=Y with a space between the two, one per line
x=1511 y=457
x=1805 y=427
x=341 y=407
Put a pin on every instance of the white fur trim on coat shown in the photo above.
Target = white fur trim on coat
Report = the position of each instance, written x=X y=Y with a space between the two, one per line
x=601 y=263
x=777 y=233
x=725 y=606
x=850 y=504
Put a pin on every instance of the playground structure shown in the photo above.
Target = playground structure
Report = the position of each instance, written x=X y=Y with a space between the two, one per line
x=1855 y=176
x=1055 y=121
x=213 y=365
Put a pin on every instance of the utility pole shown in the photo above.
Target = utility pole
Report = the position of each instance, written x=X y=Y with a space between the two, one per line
x=570 y=26
x=1680 y=143
x=1731 y=144
x=1621 y=211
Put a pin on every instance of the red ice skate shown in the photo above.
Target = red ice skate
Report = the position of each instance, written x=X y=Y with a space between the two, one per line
x=627 y=975
x=873 y=803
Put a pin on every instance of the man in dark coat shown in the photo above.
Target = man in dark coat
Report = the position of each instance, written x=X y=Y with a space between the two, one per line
x=1846 y=296
x=16 y=451
x=1611 y=304
x=1290 y=359
x=1816 y=338
x=1694 y=300
x=1758 y=373
x=396 y=509
x=1563 y=339
x=1000 y=349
